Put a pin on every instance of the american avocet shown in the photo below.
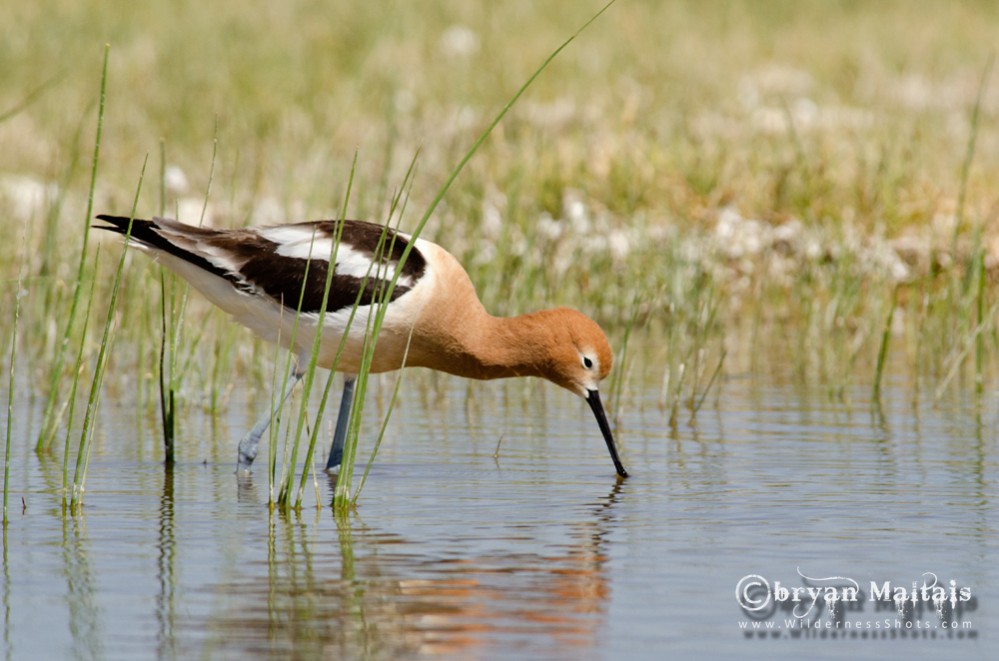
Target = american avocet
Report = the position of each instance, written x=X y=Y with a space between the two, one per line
x=259 y=275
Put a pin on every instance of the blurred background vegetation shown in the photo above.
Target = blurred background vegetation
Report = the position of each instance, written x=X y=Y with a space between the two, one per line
x=712 y=172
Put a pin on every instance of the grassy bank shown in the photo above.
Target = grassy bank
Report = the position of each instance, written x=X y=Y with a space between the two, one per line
x=710 y=175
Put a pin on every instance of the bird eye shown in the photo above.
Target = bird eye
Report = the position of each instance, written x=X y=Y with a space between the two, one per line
x=587 y=363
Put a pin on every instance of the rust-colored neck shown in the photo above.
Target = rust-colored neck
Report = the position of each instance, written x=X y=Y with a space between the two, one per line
x=478 y=345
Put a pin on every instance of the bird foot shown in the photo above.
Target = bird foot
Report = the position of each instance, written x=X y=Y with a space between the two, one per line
x=247 y=453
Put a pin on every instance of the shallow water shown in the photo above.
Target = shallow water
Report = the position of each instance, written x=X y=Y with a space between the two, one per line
x=539 y=552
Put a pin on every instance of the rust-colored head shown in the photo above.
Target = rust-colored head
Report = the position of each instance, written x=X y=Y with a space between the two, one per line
x=579 y=358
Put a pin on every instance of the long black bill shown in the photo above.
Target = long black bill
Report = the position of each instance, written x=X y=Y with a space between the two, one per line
x=593 y=398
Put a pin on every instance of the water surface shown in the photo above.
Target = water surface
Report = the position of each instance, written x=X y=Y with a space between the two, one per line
x=539 y=552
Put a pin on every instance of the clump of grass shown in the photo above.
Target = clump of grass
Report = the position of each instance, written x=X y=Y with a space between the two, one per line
x=978 y=262
x=50 y=417
x=342 y=490
x=86 y=434
x=173 y=306
x=285 y=497
x=617 y=386
x=965 y=292
x=385 y=420
x=692 y=334
x=71 y=402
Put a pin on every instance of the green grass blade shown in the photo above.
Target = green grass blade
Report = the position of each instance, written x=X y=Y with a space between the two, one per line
x=167 y=401
x=883 y=349
x=32 y=96
x=10 y=406
x=982 y=321
x=10 y=393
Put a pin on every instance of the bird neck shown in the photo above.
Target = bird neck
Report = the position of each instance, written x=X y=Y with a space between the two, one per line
x=512 y=346
x=478 y=345
x=455 y=333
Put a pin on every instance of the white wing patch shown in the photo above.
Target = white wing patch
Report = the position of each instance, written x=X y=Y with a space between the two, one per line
x=288 y=235
x=353 y=262
x=357 y=264
x=299 y=242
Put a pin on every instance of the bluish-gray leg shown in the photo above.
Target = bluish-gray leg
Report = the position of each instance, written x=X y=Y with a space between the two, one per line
x=343 y=417
x=248 y=446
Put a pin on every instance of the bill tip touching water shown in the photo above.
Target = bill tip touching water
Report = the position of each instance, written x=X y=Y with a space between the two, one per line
x=269 y=278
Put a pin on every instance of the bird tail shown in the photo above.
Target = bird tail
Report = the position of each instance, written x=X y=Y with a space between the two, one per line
x=166 y=236
x=141 y=231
